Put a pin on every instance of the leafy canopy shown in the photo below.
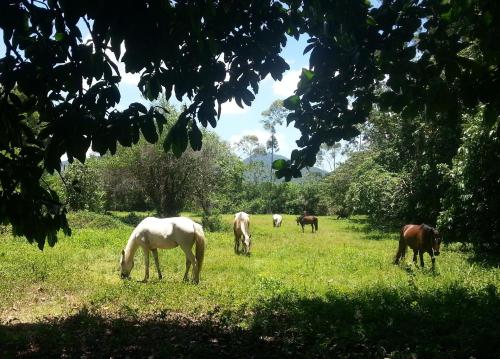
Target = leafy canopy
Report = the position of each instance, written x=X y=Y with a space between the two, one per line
x=212 y=52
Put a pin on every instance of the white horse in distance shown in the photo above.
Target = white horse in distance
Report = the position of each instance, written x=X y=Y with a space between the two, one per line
x=277 y=219
x=241 y=228
x=165 y=233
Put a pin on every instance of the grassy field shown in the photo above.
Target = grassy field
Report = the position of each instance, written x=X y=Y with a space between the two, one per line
x=334 y=293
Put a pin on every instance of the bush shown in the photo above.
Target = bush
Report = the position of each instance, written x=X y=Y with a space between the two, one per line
x=213 y=222
x=471 y=206
x=378 y=194
x=83 y=188
x=132 y=219
x=86 y=219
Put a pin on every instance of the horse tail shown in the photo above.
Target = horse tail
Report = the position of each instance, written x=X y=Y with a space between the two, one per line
x=200 y=245
x=316 y=224
x=402 y=246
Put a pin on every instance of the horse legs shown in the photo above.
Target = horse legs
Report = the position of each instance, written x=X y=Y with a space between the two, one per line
x=192 y=259
x=312 y=227
x=302 y=227
x=415 y=256
x=188 y=265
x=146 y=263
x=421 y=255
x=433 y=259
x=236 y=244
x=157 y=262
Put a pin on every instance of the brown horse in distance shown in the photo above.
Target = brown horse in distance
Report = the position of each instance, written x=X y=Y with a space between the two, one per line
x=421 y=238
x=312 y=220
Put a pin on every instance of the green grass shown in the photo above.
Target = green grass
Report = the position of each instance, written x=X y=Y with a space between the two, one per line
x=331 y=293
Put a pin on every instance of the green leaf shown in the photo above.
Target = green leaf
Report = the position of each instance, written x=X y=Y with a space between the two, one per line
x=292 y=103
x=307 y=74
x=176 y=140
x=195 y=137
x=148 y=129
x=59 y=36
x=247 y=97
x=279 y=164
x=308 y=48
x=139 y=107
x=371 y=21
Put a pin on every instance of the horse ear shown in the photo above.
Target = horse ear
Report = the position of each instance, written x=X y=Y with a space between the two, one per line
x=123 y=253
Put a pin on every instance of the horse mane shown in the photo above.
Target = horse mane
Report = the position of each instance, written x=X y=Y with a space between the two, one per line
x=428 y=231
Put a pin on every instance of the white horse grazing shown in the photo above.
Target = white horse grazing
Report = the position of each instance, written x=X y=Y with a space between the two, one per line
x=165 y=233
x=277 y=219
x=241 y=226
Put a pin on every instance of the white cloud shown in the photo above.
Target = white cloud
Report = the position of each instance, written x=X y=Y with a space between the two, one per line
x=232 y=108
x=287 y=85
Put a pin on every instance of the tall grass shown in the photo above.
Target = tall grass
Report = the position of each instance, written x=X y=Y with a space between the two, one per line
x=334 y=292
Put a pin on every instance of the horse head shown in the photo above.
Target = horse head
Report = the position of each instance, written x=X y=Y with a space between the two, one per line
x=247 y=244
x=125 y=268
x=298 y=220
x=436 y=242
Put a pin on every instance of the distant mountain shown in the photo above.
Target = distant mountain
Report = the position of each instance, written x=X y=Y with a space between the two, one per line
x=266 y=160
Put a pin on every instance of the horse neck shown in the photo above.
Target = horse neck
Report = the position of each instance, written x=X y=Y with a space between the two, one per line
x=131 y=248
x=244 y=228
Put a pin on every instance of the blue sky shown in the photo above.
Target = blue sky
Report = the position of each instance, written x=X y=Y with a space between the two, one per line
x=236 y=122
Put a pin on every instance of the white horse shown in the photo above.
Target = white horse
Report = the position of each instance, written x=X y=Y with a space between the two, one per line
x=277 y=219
x=241 y=226
x=165 y=233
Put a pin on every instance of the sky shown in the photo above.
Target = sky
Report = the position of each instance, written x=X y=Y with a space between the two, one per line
x=236 y=122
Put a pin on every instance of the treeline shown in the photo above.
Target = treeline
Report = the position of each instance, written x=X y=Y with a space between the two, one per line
x=399 y=170
x=426 y=170
x=210 y=181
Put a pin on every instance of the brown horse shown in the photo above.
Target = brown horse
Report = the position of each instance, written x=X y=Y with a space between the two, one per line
x=421 y=238
x=343 y=213
x=312 y=220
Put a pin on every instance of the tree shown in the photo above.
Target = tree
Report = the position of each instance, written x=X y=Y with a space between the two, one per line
x=250 y=147
x=328 y=154
x=201 y=50
x=122 y=192
x=470 y=206
x=219 y=174
x=170 y=183
x=273 y=116
x=82 y=189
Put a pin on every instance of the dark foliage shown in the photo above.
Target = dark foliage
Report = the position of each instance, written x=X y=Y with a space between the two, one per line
x=213 y=52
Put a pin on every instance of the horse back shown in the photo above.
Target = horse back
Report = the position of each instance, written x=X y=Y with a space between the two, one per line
x=165 y=232
x=241 y=224
x=416 y=236
x=309 y=219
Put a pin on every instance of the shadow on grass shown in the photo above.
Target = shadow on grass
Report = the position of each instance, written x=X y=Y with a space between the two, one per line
x=451 y=323
x=370 y=230
x=90 y=335
x=486 y=259
x=454 y=322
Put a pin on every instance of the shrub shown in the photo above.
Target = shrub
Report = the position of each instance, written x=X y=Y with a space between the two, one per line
x=213 y=222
